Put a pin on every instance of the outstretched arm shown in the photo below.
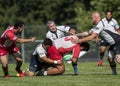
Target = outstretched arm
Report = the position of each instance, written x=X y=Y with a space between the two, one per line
x=86 y=39
x=23 y=40
x=82 y=34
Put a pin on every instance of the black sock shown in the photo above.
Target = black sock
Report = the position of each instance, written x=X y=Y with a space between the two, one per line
x=5 y=70
x=75 y=69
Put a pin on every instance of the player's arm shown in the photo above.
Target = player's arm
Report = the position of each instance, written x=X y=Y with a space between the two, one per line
x=118 y=31
x=50 y=61
x=86 y=39
x=85 y=33
x=23 y=40
x=82 y=34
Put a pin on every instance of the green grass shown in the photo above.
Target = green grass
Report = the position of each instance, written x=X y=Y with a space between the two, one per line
x=89 y=75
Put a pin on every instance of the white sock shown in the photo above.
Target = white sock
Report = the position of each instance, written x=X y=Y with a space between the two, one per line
x=45 y=73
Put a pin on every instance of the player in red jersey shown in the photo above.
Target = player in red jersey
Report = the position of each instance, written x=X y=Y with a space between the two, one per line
x=8 y=46
x=64 y=45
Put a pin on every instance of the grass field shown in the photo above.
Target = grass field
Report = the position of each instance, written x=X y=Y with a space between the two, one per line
x=89 y=75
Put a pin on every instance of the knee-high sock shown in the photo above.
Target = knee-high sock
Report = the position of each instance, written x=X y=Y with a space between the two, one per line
x=5 y=70
x=75 y=69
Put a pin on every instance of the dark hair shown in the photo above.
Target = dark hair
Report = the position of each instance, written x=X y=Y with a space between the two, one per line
x=47 y=41
x=18 y=24
x=108 y=11
x=85 y=45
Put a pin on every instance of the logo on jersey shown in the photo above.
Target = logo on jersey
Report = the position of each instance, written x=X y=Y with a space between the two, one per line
x=8 y=43
x=68 y=38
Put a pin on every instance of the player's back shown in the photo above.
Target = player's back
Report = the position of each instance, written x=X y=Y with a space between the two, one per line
x=65 y=42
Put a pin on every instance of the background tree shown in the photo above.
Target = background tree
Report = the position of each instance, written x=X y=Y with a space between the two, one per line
x=38 y=12
x=85 y=10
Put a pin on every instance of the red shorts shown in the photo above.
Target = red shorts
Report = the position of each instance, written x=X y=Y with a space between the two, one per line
x=11 y=50
x=75 y=50
x=54 y=53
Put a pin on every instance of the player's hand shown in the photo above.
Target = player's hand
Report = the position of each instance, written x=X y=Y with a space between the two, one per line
x=59 y=62
x=76 y=40
x=33 y=39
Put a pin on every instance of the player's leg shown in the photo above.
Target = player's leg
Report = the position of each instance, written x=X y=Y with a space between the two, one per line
x=4 y=62
x=117 y=52
x=32 y=67
x=102 y=52
x=56 y=70
x=53 y=70
x=14 y=51
x=111 y=60
x=76 y=51
x=102 y=48
x=19 y=62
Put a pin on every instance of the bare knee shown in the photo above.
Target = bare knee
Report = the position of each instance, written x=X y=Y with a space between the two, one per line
x=74 y=60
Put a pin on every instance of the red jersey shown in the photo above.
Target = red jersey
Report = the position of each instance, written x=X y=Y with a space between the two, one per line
x=65 y=44
x=8 y=37
x=54 y=53
x=7 y=42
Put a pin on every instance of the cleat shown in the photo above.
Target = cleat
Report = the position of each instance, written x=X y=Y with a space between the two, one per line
x=40 y=73
x=114 y=72
x=7 y=76
x=100 y=62
x=21 y=74
x=75 y=74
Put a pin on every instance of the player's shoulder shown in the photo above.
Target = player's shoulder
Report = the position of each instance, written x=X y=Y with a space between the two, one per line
x=39 y=46
x=9 y=32
x=100 y=23
x=48 y=33
x=60 y=27
x=114 y=20
x=103 y=19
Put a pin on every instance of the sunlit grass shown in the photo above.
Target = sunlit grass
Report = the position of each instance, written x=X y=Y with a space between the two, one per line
x=89 y=75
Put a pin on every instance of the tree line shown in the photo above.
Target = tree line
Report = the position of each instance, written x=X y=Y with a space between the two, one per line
x=67 y=12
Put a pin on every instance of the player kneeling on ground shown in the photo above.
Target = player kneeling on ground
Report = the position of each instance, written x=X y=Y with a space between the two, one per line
x=40 y=64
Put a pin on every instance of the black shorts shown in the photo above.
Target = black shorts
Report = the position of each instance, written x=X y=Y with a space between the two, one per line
x=103 y=43
x=117 y=49
x=36 y=65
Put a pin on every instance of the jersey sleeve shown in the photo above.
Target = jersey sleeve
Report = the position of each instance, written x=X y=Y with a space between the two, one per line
x=40 y=51
x=116 y=24
x=98 y=28
x=11 y=36
x=49 y=35
x=63 y=28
